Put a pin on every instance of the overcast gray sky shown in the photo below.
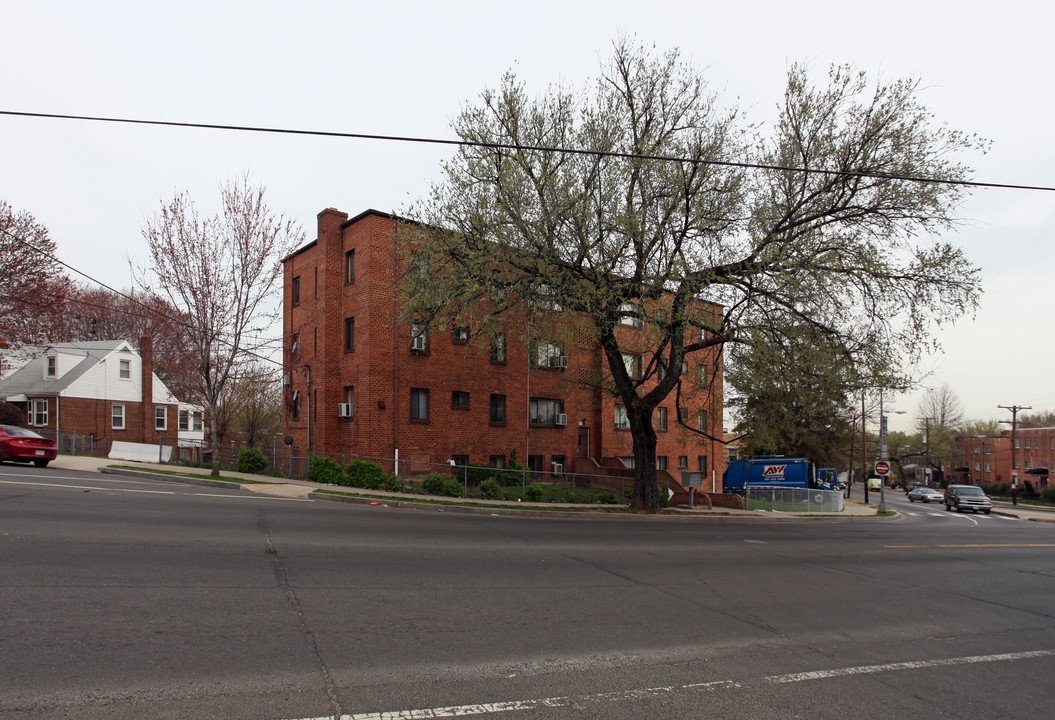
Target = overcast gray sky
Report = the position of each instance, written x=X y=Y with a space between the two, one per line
x=405 y=68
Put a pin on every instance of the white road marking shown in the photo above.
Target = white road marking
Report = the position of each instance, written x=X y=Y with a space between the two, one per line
x=493 y=708
x=85 y=487
x=251 y=497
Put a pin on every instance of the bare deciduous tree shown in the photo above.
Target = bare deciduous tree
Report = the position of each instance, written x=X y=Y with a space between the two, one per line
x=32 y=284
x=221 y=272
x=653 y=210
x=939 y=407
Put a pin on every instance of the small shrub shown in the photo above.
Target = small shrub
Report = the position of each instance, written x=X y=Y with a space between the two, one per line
x=489 y=488
x=607 y=498
x=534 y=491
x=325 y=470
x=436 y=484
x=363 y=474
x=390 y=483
x=1048 y=493
x=555 y=494
x=251 y=460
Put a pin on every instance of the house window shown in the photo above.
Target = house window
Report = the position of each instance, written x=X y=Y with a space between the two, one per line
x=197 y=420
x=38 y=412
x=633 y=365
x=296 y=290
x=459 y=400
x=184 y=420
x=53 y=365
x=548 y=355
x=460 y=334
x=545 y=412
x=124 y=369
x=622 y=420
x=498 y=409
x=661 y=418
x=419 y=339
x=117 y=416
x=498 y=348
x=161 y=418
x=701 y=421
x=349 y=266
x=419 y=405
x=349 y=334
x=683 y=461
x=661 y=462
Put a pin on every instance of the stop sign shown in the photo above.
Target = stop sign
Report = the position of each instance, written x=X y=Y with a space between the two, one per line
x=882 y=468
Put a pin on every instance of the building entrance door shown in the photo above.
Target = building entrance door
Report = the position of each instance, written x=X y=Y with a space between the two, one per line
x=584 y=442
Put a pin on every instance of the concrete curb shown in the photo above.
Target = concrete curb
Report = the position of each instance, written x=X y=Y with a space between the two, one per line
x=186 y=479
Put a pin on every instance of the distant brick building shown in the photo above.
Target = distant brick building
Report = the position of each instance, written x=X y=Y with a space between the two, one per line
x=103 y=390
x=362 y=383
x=989 y=458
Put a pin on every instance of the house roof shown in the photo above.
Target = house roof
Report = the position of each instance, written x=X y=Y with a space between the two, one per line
x=30 y=379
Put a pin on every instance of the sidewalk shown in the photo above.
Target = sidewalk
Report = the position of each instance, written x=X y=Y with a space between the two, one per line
x=291 y=488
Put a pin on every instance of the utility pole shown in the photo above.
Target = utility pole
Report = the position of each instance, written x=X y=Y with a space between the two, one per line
x=1014 y=426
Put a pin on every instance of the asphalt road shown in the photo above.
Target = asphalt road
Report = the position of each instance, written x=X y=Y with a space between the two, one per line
x=123 y=598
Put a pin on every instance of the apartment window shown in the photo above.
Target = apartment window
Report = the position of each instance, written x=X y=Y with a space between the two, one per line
x=683 y=416
x=1018 y=463
x=349 y=399
x=628 y=462
x=124 y=369
x=460 y=460
x=161 y=418
x=183 y=421
x=460 y=335
x=988 y=449
x=196 y=418
x=117 y=416
x=1028 y=443
x=701 y=463
x=732 y=452
x=988 y=467
x=978 y=466
x=1018 y=443
x=459 y=400
x=661 y=462
x=544 y=412
x=419 y=339
x=498 y=409
x=630 y=314
x=497 y=461
x=53 y=366
x=548 y=355
x=349 y=266
x=661 y=419
x=633 y=365
x=558 y=460
x=38 y=412
x=419 y=265
x=1029 y=463
x=702 y=376
x=701 y=421
x=349 y=334
x=296 y=291
x=683 y=461
x=419 y=405
x=295 y=405
x=498 y=348
x=545 y=299
x=535 y=463
x=622 y=420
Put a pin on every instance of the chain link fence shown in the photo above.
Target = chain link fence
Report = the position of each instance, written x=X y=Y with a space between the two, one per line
x=785 y=499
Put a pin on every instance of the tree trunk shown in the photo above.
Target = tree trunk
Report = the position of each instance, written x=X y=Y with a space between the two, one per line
x=646 y=490
x=214 y=442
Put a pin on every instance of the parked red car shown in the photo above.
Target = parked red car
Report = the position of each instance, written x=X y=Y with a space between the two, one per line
x=23 y=445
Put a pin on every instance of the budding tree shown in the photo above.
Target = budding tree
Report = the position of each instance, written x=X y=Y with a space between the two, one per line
x=642 y=192
x=32 y=284
x=222 y=273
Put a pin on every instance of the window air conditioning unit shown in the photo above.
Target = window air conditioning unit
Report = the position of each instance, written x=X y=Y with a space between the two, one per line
x=561 y=419
x=344 y=410
x=561 y=361
x=418 y=343
x=558 y=468
x=286 y=380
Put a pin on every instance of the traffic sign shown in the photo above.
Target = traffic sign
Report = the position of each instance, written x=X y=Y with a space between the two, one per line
x=882 y=468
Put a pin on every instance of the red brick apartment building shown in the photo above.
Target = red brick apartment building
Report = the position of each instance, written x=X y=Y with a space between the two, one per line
x=360 y=383
x=988 y=458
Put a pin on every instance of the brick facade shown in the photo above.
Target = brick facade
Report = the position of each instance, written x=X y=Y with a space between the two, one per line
x=988 y=458
x=344 y=340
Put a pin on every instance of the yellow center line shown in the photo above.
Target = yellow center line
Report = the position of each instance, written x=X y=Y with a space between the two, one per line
x=1022 y=545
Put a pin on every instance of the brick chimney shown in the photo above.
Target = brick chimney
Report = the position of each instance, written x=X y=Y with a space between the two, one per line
x=146 y=353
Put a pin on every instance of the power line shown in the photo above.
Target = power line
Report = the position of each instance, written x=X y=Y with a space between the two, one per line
x=532 y=148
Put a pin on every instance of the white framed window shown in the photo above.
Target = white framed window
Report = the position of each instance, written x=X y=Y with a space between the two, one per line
x=419 y=338
x=630 y=314
x=632 y=363
x=197 y=421
x=548 y=355
x=38 y=412
x=117 y=416
x=622 y=420
x=161 y=418
x=52 y=369
x=544 y=412
x=124 y=369
x=498 y=348
x=184 y=420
